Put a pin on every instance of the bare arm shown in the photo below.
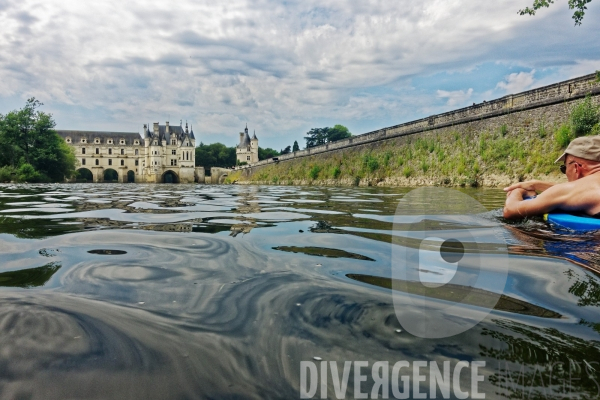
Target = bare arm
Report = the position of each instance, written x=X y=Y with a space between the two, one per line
x=553 y=198
x=535 y=185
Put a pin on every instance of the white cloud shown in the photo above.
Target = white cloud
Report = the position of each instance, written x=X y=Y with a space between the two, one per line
x=517 y=82
x=456 y=97
x=279 y=67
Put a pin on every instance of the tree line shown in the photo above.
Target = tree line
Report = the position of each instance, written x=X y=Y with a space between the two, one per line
x=31 y=150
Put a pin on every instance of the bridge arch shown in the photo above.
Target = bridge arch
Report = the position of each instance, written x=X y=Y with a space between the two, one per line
x=130 y=177
x=110 y=175
x=84 y=175
x=170 y=177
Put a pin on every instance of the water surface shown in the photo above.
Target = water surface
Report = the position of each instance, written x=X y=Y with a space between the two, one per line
x=191 y=291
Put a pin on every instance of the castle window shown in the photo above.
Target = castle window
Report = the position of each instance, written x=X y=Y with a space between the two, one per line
x=248 y=158
x=109 y=141
x=109 y=151
x=173 y=162
x=82 y=140
x=96 y=140
x=136 y=142
x=173 y=142
x=68 y=140
x=136 y=152
x=173 y=152
x=83 y=150
x=97 y=162
x=83 y=161
x=155 y=142
x=137 y=162
x=122 y=151
x=122 y=141
x=122 y=162
x=97 y=150
x=109 y=161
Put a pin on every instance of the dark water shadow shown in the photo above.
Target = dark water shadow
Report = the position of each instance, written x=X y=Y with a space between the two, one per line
x=29 y=278
x=323 y=252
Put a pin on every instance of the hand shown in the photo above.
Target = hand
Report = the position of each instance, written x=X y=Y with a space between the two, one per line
x=522 y=193
x=528 y=185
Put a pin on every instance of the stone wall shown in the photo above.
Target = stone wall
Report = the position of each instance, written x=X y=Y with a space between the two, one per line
x=549 y=104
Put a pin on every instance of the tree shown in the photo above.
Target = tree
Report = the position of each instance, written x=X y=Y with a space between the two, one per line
x=295 y=147
x=287 y=150
x=215 y=155
x=578 y=5
x=28 y=138
x=319 y=136
x=263 y=154
x=338 y=132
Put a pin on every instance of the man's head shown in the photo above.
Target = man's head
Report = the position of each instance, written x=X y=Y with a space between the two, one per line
x=581 y=158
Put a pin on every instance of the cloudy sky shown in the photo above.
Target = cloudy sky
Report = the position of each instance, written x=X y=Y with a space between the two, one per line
x=283 y=67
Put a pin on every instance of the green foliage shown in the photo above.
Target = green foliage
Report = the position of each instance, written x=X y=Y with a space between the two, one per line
x=407 y=171
x=503 y=130
x=584 y=116
x=335 y=172
x=314 y=172
x=563 y=136
x=268 y=152
x=320 y=136
x=542 y=133
x=287 y=150
x=28 y=137
x=597 y=76
x=424 y=166
x=215 y=155
x=27 y=173
x=295 y=147
x=7 y=174
x=370 y=163
x=578 y=5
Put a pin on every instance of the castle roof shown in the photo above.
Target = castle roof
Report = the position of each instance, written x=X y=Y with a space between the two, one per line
x=254 y=136
x=244 y=139
x=90 y=136
x=178 y=132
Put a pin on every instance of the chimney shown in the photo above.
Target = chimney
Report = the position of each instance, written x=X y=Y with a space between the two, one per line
x=167 y=127
x=155 y=128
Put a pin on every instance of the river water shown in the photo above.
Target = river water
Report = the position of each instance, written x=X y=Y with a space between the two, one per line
x=220 y=292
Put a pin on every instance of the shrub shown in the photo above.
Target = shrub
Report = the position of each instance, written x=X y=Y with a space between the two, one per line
x=542 y=130
x=335 y=172
x=314 y=172
x=503 y=130
x=26 y=173
x=584 y=116
x=424 y=166
x=400 y=161
x=370 y=163
x=7 y=174
x=386 y=158
x=407 y=171
x=563 y=136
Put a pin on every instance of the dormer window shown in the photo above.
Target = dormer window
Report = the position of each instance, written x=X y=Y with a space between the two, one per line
x=68 y=140
x=173 y=142
x=83 y=140
x=155 y=142
x=136 y=142
x=109 y=141
x=96 y=140
x=122 y=141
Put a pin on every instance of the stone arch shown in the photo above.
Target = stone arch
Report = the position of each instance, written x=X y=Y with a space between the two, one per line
x=84 y=175
x=110 y=175
x=170 y=177
x=222 y=178
x=130 y=176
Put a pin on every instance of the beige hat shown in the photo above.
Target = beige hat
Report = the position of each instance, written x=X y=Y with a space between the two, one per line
x=586 y=147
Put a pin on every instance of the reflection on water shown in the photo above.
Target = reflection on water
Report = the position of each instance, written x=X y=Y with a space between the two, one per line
x=156 y=291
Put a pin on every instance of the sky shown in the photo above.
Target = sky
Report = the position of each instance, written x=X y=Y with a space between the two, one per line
x=282 y=67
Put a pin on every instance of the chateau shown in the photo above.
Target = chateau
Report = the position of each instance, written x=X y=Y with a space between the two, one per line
x=164 y=154
x=247 y=150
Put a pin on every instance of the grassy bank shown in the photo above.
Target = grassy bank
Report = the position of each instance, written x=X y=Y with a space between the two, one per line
x=451 y=157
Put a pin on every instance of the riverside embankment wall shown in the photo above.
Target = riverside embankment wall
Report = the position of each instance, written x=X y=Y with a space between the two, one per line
x=523 y=112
